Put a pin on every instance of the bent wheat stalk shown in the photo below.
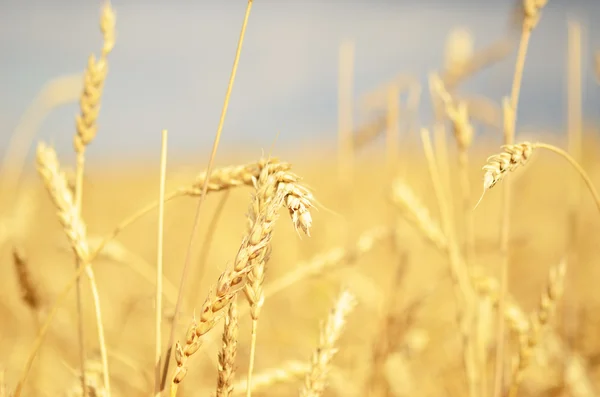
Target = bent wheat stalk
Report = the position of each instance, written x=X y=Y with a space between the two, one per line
x=515 y=156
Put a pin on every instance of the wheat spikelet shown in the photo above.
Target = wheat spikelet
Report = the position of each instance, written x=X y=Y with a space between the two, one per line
x=228 y=352
x=315 y=380
x=254 y=245
x=509 y=160
x=68 y=215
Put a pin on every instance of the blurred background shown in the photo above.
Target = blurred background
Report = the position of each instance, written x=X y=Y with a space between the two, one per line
x=172 y=60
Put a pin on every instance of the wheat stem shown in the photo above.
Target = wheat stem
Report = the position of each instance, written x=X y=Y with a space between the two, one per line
x=531 y=11
x=159 y=263
x=186 y=264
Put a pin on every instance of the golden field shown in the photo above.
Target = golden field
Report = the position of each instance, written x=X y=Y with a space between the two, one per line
x=425 y=313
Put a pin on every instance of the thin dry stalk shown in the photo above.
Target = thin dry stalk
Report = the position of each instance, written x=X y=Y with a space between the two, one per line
x=345 y=137
x=531 y=13
x=228 y=352
x=540 y=319
x=159 y=264
x=87 y=128
x=211 y=233
x=186 y=264
x=463 y=290
x=575 y=148
x=316 y=377
x=255 y=244
x=289 y=370
x=515 y=156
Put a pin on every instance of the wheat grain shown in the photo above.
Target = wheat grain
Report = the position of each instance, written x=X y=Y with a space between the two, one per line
x=228 y=352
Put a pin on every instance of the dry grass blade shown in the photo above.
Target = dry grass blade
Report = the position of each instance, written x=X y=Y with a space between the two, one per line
x=228 y=352
x=316 y=378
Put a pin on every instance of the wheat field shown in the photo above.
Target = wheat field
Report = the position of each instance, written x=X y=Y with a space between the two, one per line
x=444 y=264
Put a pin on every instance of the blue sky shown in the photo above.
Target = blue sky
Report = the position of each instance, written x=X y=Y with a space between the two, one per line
x=172 y=61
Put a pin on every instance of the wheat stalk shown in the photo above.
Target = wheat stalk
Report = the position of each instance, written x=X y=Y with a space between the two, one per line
x=196 y=222
x=87 y=128
x=531 y=15
x=316 y=377
x=159 y=265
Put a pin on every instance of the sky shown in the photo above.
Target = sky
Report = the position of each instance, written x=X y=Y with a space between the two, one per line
x=172 y=60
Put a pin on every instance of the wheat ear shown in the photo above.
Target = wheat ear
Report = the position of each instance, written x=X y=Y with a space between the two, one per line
x=228 y=352
x=75 y=230
x=515 y=156
x=254 y=245
x=530 y=339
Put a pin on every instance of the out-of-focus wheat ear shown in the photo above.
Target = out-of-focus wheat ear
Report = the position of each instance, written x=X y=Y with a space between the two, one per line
x=228 y=352
x=30 y=294
x=94 y=78
x=56 y=185
x=529 y=340
x=316 y=379
x=289 y=370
